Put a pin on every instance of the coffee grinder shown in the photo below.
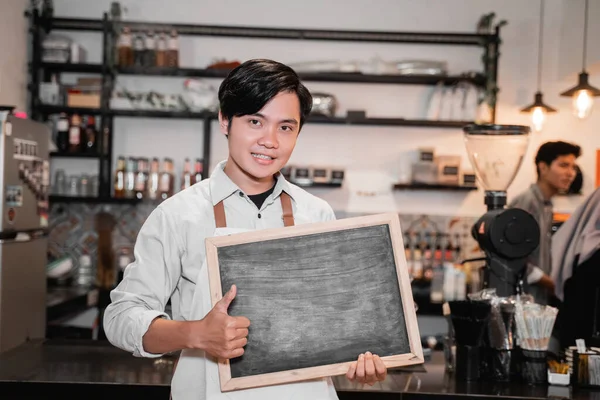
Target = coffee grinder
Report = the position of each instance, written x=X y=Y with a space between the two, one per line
x=507 y=236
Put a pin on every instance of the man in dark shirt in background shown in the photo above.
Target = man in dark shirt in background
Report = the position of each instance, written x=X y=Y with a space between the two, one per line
x=555 y=164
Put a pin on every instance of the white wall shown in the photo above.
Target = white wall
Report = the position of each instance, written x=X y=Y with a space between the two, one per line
x=13 y=54
x=381 y=150
x=571 y=41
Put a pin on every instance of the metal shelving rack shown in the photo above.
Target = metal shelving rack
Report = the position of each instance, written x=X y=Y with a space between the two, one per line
x=92 y=200
x=109 y=29
x=477 y=79
x=424 y=186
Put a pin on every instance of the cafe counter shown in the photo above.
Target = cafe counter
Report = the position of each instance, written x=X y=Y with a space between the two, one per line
x=79 y=368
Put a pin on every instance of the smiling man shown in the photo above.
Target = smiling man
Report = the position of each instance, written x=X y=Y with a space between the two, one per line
x=555 y=165
x=263 y=106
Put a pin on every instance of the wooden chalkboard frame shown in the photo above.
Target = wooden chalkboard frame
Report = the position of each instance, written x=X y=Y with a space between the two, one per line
x=416 y=353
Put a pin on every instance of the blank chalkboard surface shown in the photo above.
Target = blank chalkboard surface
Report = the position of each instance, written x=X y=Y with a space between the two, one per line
x=317 y=296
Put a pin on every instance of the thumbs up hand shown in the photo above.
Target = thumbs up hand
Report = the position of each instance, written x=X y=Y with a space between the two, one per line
x=220 y=334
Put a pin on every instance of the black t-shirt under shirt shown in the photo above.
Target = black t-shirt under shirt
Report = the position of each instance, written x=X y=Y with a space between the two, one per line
x=260 y=198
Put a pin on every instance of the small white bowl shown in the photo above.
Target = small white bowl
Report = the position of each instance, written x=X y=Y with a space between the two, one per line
x=559 y=379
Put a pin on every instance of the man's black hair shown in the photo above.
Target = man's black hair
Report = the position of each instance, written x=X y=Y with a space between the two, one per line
x=252 y=84
x=550 y=151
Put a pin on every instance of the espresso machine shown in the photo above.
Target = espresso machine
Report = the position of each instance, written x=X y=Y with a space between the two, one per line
x=507 y=236
x=24 y=184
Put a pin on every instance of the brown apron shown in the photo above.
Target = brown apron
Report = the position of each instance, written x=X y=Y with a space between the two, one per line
x=221 y=222
x=286 y=206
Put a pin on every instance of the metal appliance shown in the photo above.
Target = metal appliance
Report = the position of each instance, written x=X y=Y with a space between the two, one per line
x=507 y=236
x=324 y=104
x=24 y=186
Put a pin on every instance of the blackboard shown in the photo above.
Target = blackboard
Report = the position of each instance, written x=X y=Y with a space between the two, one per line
x=317 y=296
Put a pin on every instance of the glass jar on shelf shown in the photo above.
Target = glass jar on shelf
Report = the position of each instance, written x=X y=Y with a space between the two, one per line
x=73 y=187
x=150 y=50
x=161 y=50
x=125 y=48
x=173 y=50
x=139 y=50
x=59 y=187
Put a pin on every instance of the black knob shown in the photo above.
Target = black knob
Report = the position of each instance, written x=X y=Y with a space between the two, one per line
x=514 y=233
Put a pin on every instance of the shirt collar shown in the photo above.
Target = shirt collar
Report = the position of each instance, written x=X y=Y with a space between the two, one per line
x=282 y=185
x=537 y=192
x=221 y=187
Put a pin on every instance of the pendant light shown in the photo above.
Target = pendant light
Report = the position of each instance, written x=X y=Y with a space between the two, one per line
x=539 y=109
x=583 y=94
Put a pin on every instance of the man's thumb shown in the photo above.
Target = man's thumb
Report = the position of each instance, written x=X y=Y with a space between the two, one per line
x=224 y=303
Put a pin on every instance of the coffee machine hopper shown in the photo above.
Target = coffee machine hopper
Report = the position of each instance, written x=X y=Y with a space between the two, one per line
x=507 y=236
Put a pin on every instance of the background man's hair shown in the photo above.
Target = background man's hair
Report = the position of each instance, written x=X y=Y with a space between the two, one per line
x=550 y=151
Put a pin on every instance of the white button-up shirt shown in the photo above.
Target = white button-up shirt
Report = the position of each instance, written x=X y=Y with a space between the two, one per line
x=169 y=250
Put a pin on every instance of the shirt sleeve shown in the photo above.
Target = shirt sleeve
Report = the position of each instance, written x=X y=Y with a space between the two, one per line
x=327 y=213
x=524 y=203
x=533 y=273
x=146 y=287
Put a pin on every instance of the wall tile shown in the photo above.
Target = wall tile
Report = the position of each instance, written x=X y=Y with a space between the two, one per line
x=72 y=229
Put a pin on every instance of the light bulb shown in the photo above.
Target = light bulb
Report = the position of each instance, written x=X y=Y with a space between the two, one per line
x=538 y=117
x=583 y=102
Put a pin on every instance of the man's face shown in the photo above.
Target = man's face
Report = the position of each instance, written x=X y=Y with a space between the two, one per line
x=560 y=173
x=262 y=143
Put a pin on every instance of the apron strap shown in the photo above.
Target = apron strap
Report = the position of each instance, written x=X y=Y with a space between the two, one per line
x=286 y=206
x=219 y=211
x=221 y=222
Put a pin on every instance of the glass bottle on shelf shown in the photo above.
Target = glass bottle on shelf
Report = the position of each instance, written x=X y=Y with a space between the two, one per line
x=418 y=257
x=62 y=133
x=153 y=180
x=198 y=171
x=84 y=185
x=166 y=186
x=130 y=178
x=94 y=186
x=90 y=136
x=186 y=177
x=161 y=50
x=173 y=50
x=146 y=174
x=75 y=134
x=125 y=48
x=85 y=271
x=141 y=177
x=59 y=187
x=410 y=260
x=139 y=50
x=150 y=50
x=120 y=178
